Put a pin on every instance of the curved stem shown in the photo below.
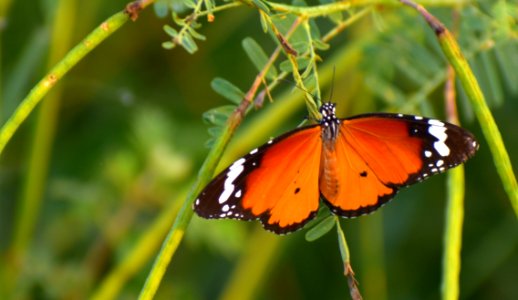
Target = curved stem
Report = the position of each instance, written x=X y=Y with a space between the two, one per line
x=34 y=97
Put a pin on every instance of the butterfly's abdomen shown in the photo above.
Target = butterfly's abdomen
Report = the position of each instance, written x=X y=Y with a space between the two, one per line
x=328 y=179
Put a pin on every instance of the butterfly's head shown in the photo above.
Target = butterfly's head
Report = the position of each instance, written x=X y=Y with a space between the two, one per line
x=329 y=121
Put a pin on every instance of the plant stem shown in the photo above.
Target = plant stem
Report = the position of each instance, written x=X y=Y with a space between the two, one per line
x=108 y=27
x=327 y=9
x=346 y=259
x=453 y=234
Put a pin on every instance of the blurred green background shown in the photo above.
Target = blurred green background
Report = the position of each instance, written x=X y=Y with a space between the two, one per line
x=82 y=184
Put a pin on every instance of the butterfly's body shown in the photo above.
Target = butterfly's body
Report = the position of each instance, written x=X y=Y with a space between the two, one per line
x=355 y=164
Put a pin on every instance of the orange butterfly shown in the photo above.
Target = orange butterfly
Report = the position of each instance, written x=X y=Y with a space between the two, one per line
x=356 y=164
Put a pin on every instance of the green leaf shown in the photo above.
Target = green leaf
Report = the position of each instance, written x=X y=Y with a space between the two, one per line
x=302 y=63
x=210 y=143
x=313 y=29
x=227 y=90
x=189 y=3
x=209 y=4
x=301 y=46
x=195 y=34
x=264 y=22
x=215 y=131
x=170 y=31
x=168 y=45
x=219 y=115
x=161 y=9
x=258 y=57
x=320 y=229
x=318 y=44
x=188 y=43
x=262 y=6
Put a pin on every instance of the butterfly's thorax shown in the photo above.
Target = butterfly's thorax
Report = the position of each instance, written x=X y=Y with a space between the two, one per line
x=330 y=125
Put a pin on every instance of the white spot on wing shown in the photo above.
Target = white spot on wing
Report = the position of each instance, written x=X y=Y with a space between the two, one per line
x=233 y=172
x=418 y=118
x=435 y=123
x=225 y=208
x=428 y=153
x=197 y=202
x=238 y=194
x=254 y=151
x=439 y=163
x=438 y=130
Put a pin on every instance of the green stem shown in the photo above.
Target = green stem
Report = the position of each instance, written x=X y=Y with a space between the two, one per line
x=70 y=60
x=313 y=63
x=485 y=118
x=183 y=218
x=453 y=235
x=327 y=9
x=346 y=259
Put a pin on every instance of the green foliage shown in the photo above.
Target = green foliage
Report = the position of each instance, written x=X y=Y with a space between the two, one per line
x=226 y=89
x=320 y=229
x=258 y=57
x=129 y=139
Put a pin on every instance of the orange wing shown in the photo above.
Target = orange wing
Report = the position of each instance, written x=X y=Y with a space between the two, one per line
x=276 y=183
x=376 y=154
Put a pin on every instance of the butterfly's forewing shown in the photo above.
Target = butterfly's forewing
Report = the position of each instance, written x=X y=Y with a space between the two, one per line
x=376 y=154
x=276 y=183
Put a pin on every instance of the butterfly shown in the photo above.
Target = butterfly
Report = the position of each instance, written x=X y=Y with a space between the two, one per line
x=355 y=165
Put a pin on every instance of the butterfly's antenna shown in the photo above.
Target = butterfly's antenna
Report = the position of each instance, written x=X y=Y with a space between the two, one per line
x=332 y=84
x=300 y=88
